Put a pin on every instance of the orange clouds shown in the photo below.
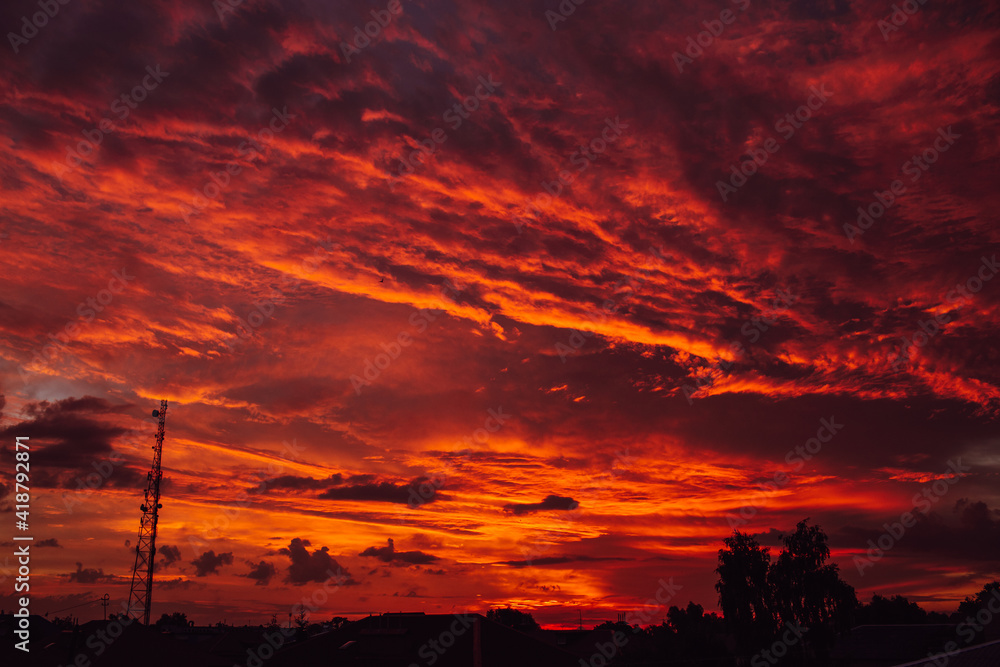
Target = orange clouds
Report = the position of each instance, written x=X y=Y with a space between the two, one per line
x=273 y=264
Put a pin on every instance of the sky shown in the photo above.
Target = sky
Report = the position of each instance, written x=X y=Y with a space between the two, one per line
x=460 y=304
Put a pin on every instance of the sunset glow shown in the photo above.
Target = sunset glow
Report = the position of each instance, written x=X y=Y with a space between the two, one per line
x=497 y=308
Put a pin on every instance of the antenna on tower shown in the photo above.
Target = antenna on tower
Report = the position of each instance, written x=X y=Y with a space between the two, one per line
x=141 y=595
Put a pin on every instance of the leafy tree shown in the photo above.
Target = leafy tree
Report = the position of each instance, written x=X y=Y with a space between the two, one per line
x=337 y=621
x=174 y=619
x=896 y=610
x=970 y=607
x=744 y=594
x=620 y=626
x=759 y=597
x=64 y=623
x=698 y=635
x=687 y=634
x=686 y=621
x=513 y=618
x=808 y=591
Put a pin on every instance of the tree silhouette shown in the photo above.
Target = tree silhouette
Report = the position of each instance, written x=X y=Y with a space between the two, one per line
x=695 y=633
x=970 y=607
x=759 y=597
x=65 y=622
x=513 y=618
x=692 y=621
x=744 y=594
x=809 y=592
x=896 y=610
x=174 y=619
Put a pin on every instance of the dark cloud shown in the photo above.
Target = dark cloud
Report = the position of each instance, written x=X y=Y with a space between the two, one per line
x=88 y=575
x=261 y=573
x=87 y=404
x=558 y=560
x=389 y=554
x=168 y=555
x=73 y=447
x=68 y=436
x=551 y=502
x=385 y=492
x=317 y=566
x=51 y=542
x=410 y=594
x=208 y=563
x=178 y=584
x=293 y=482
x=525 y=291
x=970 y=532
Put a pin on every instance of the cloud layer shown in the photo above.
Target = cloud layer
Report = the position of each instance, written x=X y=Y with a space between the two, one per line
x=487 y=258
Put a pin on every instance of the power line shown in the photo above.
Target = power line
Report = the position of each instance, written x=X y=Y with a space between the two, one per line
x=82 y=604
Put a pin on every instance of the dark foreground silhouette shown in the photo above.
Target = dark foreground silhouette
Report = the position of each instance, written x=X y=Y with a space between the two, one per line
x=792 y=611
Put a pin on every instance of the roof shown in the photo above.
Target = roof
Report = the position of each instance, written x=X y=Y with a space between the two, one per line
x=444 y=640
x=892 y=644
x=982 y=655
x=136 y=644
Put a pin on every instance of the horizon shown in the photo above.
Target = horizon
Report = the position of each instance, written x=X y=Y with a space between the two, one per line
x=459 y=306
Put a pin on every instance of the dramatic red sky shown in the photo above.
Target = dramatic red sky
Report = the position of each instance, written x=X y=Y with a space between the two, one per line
x=599 y=324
